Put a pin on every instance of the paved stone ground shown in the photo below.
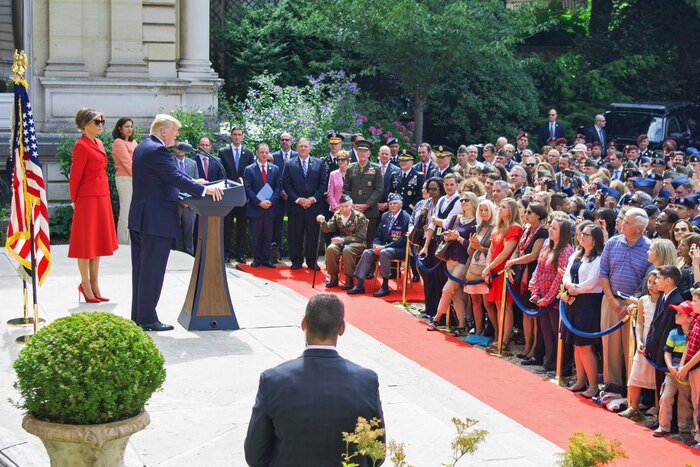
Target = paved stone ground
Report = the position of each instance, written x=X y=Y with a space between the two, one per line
x=200 y=418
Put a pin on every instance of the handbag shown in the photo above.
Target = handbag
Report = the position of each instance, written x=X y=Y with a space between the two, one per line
x=442 y=249
x=474 y=272
x=417 y=235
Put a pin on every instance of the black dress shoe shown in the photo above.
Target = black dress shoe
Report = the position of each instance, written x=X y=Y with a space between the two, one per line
x=330 y=283
x=255 y=264
x=157 y=326
x=295 y=266
x=357 y=290
x=349 y=283
x=382 y=292
x=415 y=278
x=370 y=275
x=240 y=259
x=314 y=267
x=531 y=362
x=269 y=264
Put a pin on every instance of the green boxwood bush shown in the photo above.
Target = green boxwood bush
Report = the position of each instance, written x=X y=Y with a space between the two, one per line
x=88 y=368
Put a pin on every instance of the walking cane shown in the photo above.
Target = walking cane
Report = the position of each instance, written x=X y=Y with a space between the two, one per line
x=318 y=245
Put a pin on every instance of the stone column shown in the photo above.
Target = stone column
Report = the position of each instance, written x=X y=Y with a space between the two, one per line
x=126 y=46
x=194 y=41
x=66 y=39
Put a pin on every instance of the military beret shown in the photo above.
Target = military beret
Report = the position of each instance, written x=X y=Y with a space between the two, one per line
x=633 y=173
x=395 y=197
x=664 y=193
x=391 y=141
x=560 y=141
x=670 y=174
x=334 y=138
x=609 y=191
x=631 y=147
x=522 y=134
x=630 y=165
x=644 y=183
x=580 y=136
x=364 y=144
x=487 y=169
x=612 y=144
x=644 y=160
x=685 y=169
x=443 y=151
x=679 y=180
x=651 y=210
x=656 y=177
x=694 y=158
x=658 y=161
x=407 y=155
x=671 y=142
x=641 y=138
x=692 y=151
x=590 y=162
x=687 y=201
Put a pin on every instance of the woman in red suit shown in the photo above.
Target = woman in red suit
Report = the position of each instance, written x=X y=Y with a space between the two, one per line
x=92 y=232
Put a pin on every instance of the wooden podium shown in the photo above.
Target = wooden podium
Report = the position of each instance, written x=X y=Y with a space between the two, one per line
x=208 y=303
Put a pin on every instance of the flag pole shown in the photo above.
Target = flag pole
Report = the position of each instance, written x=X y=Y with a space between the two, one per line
x=25 y=339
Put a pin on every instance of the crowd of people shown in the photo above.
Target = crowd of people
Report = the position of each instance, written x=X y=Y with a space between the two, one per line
x=500 y=234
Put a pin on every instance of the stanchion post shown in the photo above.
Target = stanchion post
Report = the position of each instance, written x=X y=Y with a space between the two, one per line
x=502 y=314
x=405 y=272
x=632 y=343
x=560 y=351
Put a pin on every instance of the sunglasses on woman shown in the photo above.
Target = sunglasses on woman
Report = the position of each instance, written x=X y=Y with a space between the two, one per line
x=99 y=121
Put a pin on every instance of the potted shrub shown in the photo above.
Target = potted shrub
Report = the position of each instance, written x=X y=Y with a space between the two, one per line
x=84 y=381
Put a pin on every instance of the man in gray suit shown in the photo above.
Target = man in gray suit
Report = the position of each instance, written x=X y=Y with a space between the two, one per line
x=303 y=406
x=185 y=213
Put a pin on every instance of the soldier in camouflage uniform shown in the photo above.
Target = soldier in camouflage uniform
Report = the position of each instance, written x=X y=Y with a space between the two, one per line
x=350 y=227
x=364 y=184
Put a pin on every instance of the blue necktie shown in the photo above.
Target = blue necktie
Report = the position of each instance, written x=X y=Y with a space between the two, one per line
x=551 y=130
x=303 y=166
x=236 y=158
x=182 y=166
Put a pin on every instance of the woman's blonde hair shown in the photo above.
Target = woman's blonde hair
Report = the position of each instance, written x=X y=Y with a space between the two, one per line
x=472 y=199
x=513 y=218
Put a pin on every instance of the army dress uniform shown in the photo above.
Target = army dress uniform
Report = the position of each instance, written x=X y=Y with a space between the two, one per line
x=354 y=233
x=365 y=185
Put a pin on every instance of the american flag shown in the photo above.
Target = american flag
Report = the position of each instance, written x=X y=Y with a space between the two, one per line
x=28 y=192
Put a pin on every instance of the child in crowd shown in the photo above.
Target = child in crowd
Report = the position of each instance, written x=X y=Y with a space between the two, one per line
x=642 y=374
x=691 y=362
x=673 y=352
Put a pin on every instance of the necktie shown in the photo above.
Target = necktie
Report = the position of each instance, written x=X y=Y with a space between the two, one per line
x=236 y=158
x=425 y=170
x=551 y=130
x=383 y=170
x=264 y=174
x=182 y=166
x=303 y=166
x=205 y=163
x=286 y=157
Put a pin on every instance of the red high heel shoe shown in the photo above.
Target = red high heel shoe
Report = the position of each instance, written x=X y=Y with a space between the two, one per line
x=102 y=299
x=87 y=300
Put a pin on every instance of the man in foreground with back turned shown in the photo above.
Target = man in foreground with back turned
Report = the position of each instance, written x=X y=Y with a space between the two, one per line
x=153 y=221
x=303 y=406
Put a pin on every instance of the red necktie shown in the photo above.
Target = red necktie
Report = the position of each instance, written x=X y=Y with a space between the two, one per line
x=264 y=174
x=205 y=163
x=425 y=170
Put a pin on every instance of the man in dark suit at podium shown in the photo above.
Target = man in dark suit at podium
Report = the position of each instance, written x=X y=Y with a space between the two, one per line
x=303 y=406
x=153 y=222
x=261 y=211
x=235 y=159
x=305 y=182
x=281 y=157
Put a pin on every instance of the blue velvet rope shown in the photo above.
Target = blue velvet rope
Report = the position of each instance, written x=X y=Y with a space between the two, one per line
x=580 y=333
x=525 y=309
x=463 y=282
x=420 y=264
x=662 y=369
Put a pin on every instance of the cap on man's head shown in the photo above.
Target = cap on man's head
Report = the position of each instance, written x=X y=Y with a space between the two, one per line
x=686 y=201
x=644 y=183
x=407 y=155
x=658 y=161
x=641 y=138
x=443 y=151
x=694 y=158
x=590 y=162
x=644 y=160
x=664 y=193
x=679 y=180
x=561 y=141
x=391 y=141
x=335 y=138
x=394 y=197
x=364 y=144
x=522 y=134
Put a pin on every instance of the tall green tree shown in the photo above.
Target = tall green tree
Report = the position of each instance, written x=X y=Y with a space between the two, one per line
x=421 y=42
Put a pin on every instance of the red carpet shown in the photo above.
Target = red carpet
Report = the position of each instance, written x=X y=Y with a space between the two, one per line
x=545 y=408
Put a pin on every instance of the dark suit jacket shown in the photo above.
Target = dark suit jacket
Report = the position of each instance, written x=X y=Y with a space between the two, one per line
x=215 y=172
x=661 y=325
x=303 y=407
x=387 y=187
x=392 y=235
x=279 y=159
x=297 y=186
x=245 y=158
x=157 y=182
x=252 y=180
x=432 y=168
x=543 y=133
x=592 y=136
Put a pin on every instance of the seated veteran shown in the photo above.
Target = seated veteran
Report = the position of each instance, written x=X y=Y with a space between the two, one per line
x=389 y=243
x=351 y=228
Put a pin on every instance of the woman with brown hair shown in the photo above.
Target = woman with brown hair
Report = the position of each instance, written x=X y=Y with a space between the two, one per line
x=92 y=231
x=122 y=155
x=504 y=242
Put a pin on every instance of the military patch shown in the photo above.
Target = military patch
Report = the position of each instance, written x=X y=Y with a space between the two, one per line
x=359 y=192
x=409 y=193
x=369 y=183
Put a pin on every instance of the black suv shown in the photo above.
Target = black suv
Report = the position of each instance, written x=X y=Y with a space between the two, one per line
x=659 y=120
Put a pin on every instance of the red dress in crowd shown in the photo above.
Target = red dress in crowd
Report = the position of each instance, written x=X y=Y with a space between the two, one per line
x=498 y=242
x=93 y=232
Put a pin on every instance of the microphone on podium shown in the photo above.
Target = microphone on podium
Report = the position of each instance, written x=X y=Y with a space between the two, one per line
x=187 y=149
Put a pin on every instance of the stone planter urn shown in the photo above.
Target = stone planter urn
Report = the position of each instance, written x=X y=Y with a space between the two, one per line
x=86 y=445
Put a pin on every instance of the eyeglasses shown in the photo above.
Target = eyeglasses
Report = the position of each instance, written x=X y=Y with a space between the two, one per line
x=531 y=164
x=341 y=160
x=586 y=234
x=99 y=121
x=464 y=200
